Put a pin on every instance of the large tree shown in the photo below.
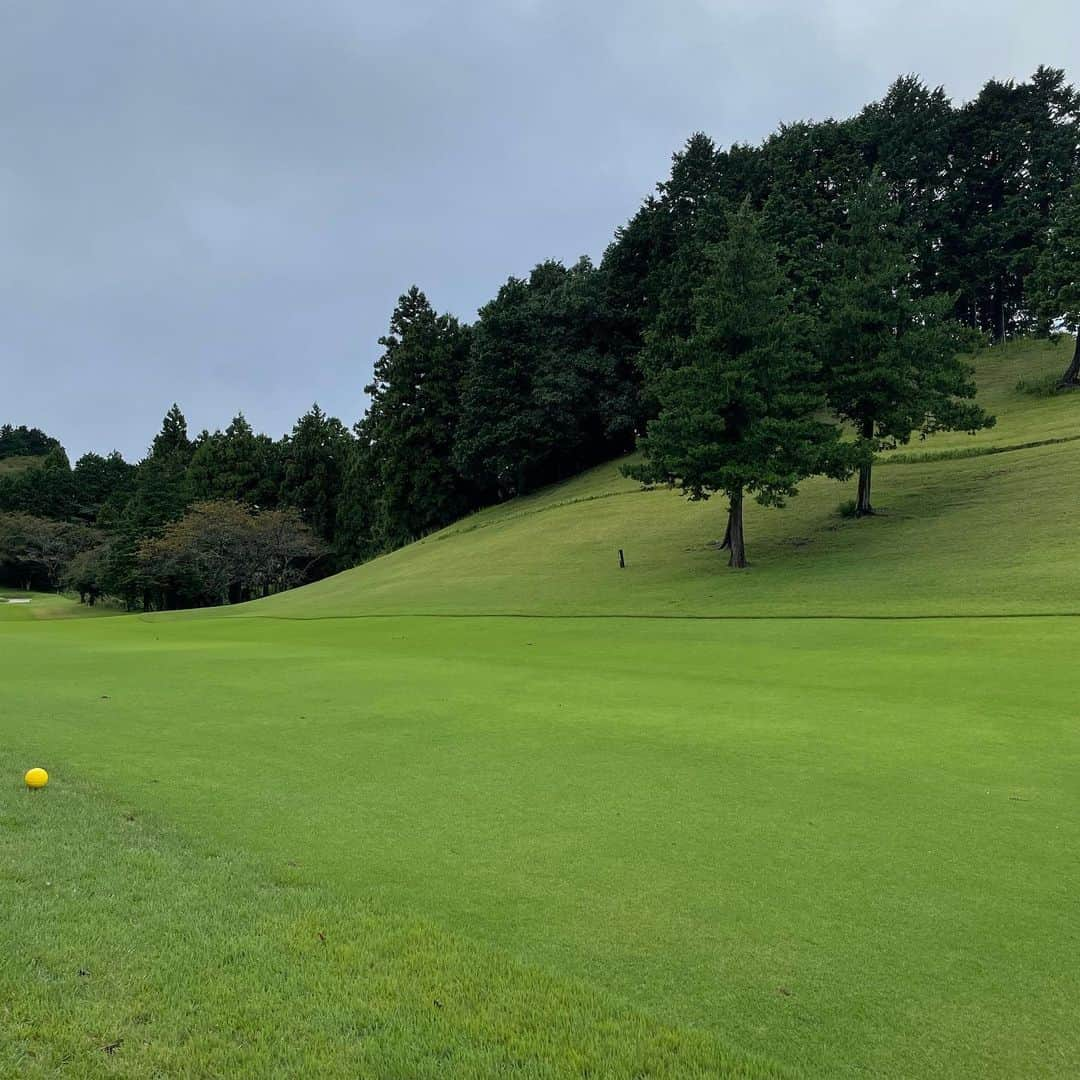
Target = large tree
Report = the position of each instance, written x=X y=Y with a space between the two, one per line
x=415 y=404
x=315 y=456
x=547 y=389
x=740 y=404
x=892 y=364
x=1055 y=284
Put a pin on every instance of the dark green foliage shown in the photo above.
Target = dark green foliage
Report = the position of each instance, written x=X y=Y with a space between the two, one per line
x=1055 y=284
x=891 y=363
x=811 y=169
x=23 y=441
x=739 y=396
x=35 y=550
x=221 y=552
x=102 y=485
x=409 y=428
x=1013 y=155
x=235 y=464
x=314 y=459
x=543 y=394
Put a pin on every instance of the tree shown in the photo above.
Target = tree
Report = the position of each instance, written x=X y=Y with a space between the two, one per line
x=314 y=461
x=740 y=403
x=544 y=393
x=100 y=481
x=173 y=436
x=235 y=464
x=23 y=441
x=410 y=424
x=87 y=574
x=35 y=548
x=1055 y=284
x=892 y=365
x=1015 y=152
x=221 y=552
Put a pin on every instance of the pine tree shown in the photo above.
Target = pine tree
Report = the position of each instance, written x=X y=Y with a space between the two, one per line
x=891 y=358
x=740 y=404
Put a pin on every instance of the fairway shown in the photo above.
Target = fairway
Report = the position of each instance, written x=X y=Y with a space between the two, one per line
x=859 y=857
x=538 y=815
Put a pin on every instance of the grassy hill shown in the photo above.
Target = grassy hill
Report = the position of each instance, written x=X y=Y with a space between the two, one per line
x=47 y=606
x=992 y=533
x=289 y=838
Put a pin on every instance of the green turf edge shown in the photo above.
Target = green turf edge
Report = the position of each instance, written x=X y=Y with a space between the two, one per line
x=126 y=949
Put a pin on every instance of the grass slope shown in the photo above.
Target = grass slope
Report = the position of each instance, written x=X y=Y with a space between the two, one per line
x=48 y=606
x=993 y=533
x=844 y=845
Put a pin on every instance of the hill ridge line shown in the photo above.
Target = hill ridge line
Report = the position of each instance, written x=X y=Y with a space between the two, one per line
x=926 y=617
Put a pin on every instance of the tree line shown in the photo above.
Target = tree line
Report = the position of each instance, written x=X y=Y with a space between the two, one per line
x=770 y=313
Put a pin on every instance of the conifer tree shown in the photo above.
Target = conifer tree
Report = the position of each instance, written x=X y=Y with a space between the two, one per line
x=739 y=399
x=1055 y=284
x=415 y=403
x=891 y=364
x=314 y=462
x=234 y=464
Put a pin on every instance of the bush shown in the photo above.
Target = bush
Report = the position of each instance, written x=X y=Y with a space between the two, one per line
x=847 y=508
x=1038 y=385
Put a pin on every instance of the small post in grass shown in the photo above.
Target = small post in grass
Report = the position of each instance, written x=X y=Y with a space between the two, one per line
x=622 y=560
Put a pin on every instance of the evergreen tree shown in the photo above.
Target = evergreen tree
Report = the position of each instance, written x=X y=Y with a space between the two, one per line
x=1055 y=283
x=892 y=365
x=415 y=403
x=908 y=137
x=101 y=481
x=1014 y=154
x=173 y=436
x=235 y=465
x=543 y=395
x=314 y=460
x=740 y=404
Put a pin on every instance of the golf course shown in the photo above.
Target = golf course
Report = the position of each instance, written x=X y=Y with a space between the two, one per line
x=494 y=805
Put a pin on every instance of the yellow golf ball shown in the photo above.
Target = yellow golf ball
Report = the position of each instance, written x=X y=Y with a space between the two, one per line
x=36 y=778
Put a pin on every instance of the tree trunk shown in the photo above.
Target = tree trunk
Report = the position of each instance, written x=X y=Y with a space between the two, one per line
x=1071 y=375
x=863 y=507
x=735 y=531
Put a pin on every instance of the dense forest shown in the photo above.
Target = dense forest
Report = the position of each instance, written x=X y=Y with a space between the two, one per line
x=771 y=312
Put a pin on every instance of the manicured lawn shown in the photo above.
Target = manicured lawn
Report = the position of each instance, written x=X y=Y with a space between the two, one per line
x=128 y=951
x=846 y=846
x=650 y=843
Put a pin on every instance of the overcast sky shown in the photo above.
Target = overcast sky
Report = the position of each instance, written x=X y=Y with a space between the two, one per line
x=217 y=202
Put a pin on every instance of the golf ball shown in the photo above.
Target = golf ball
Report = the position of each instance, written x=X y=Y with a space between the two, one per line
x=36 y=778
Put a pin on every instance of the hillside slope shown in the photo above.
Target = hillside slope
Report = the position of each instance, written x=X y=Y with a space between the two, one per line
x=969 y=525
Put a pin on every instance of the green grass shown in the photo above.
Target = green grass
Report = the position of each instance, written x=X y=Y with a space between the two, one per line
x=18 y=464
x=48 y=606
x=847 y=846
x=993 y=533
x=129 y=951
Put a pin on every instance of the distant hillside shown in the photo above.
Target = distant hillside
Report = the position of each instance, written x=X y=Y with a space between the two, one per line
x=970 y=524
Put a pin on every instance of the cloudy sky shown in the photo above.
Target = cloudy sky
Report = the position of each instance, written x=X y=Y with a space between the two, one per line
x=217 y=202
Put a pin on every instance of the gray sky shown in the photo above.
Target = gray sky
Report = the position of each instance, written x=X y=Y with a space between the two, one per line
x=218 y=202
